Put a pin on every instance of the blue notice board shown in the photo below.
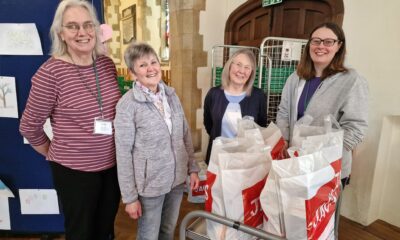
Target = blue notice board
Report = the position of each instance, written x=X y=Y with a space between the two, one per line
x=20 y=166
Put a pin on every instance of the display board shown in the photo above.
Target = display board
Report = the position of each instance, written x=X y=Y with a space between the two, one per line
x=20 y=166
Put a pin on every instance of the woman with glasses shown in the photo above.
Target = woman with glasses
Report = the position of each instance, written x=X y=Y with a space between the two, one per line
x=234 y=99
x=322 y=85
x=77 y=89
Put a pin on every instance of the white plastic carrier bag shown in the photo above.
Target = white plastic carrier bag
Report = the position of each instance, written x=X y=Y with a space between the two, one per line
x=243 y=177
x=214 y=201
x=300 y=195
x=243 y=172
x=198 y=195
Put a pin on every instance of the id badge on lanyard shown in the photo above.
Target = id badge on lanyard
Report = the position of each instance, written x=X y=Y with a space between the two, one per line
x=102 y=126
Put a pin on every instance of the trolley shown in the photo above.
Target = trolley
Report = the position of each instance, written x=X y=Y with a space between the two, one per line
x=279 y=58
x=197 y=229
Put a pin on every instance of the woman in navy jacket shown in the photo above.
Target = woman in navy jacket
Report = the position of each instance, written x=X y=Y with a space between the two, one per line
x=235 y=98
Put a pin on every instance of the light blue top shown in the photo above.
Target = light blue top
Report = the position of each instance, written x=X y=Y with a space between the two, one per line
x=229 y=128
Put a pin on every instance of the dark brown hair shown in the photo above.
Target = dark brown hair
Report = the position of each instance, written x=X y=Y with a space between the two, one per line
x=306 y=70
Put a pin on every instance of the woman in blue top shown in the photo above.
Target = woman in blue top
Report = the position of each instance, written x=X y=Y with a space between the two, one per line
x=235 y=98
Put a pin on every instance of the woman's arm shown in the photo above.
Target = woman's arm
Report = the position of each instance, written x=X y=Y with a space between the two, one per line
x=124 y=141
x=41 y=103
x=207 y=120
x=354 y=114
x=262 y=114
x=283 y=115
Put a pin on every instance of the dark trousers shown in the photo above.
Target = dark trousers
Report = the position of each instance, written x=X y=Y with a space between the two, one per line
x=89 y=201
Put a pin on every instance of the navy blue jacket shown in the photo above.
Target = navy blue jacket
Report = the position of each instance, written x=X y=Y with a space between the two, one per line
x=215 y=105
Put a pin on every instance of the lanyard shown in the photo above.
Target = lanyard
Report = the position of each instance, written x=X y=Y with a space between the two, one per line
x=99 y=99
x=98 y=96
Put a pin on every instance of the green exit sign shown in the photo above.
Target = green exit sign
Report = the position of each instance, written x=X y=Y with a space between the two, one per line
x=266 y=3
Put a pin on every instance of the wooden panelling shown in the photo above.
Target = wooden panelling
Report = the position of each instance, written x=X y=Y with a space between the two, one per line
x=251 y=23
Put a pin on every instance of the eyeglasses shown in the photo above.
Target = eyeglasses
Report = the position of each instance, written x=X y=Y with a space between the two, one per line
x=240 y=66
x=74 y=27
x=328 y=42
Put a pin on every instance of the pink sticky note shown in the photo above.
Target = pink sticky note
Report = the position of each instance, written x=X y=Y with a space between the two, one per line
x=105 y=32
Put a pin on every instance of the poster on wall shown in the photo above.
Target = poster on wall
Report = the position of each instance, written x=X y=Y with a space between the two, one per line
x=8 y=97
x=5 y=193
x=129 y=24
x=38 y=201
x=19 y=39
x=4 y=214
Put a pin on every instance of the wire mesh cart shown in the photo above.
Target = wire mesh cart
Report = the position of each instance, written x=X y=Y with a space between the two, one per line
x=279 y=58
x=197 y=228
x=220 y=55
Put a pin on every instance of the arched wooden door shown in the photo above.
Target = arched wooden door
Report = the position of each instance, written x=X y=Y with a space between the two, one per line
x=250 y=23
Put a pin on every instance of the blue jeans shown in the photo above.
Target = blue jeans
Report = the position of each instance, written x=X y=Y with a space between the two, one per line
x=159 y=215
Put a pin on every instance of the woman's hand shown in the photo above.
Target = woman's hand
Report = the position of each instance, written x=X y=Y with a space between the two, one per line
x=194 y=181
x=284 y=153
x=134 y=209
x=43 y=149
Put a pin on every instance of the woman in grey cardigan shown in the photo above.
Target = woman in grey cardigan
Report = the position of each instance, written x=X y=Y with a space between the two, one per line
x=154 y=147
x=322 y=86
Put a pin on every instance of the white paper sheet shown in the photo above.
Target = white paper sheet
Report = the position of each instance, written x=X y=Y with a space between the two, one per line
x=38 y=201
x=4 y=214
x=19 y=39
x=47 y=129
x=5 y=191
x=291 y=51
x=8 y=97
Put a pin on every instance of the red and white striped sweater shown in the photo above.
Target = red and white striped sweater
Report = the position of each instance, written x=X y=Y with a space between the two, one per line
x=59 y=92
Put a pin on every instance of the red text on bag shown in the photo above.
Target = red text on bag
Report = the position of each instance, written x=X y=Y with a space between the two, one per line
x=207 y=190
x=253 y=213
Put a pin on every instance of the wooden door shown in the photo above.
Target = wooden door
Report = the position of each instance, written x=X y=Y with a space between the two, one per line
x=250 y=23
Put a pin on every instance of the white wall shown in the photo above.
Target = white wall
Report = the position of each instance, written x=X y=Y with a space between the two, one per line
x=373 y=41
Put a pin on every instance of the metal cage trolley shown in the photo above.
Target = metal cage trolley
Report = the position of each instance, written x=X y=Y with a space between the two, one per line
x=197 y=230
x=279 y=58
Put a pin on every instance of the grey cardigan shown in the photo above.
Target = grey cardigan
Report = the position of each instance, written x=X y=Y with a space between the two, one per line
x=150 y=160
x=344 y=95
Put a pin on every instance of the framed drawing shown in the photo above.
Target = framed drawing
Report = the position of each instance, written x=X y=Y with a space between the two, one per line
x=129 y=24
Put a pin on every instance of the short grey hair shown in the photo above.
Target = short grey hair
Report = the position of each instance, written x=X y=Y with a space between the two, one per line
x=59 y=47
x=225 y=79
x=136 y=50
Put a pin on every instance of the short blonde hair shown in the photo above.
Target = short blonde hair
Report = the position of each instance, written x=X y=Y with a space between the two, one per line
x=225 y=79
x=59 y=47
